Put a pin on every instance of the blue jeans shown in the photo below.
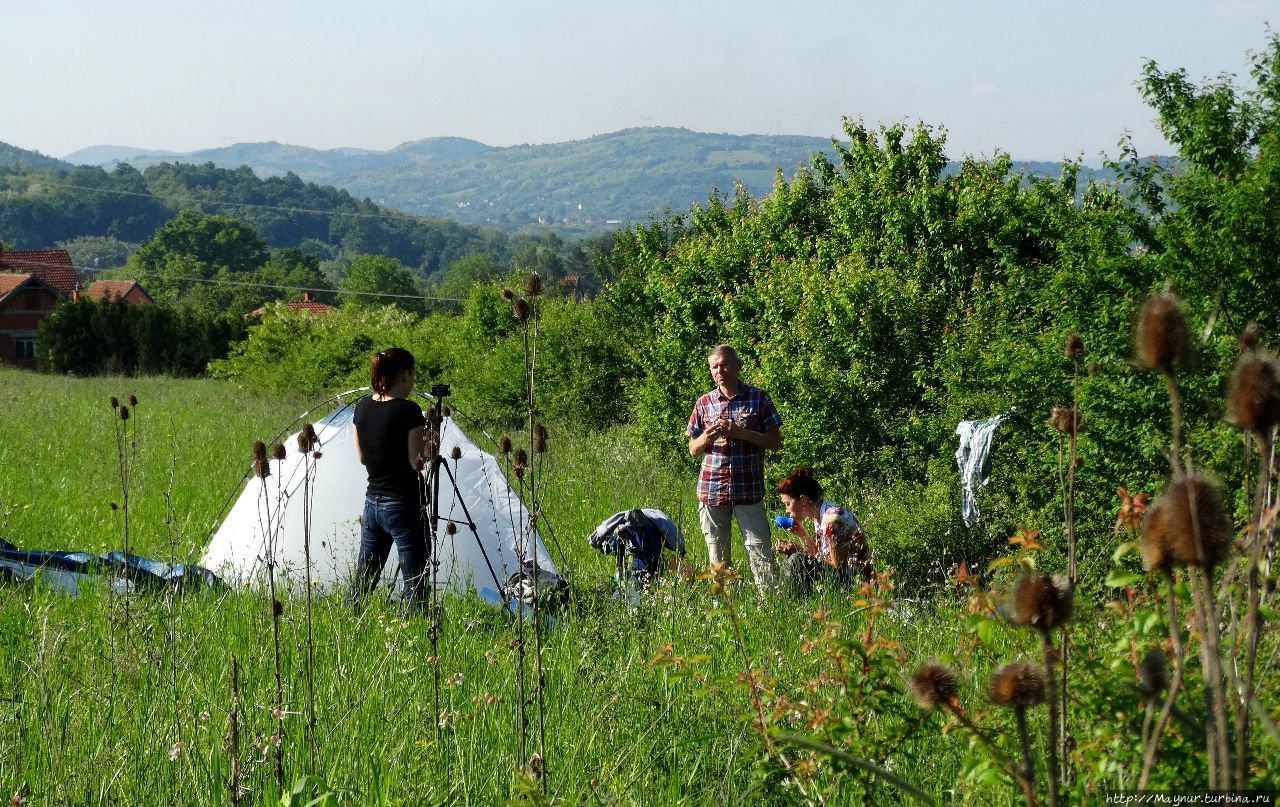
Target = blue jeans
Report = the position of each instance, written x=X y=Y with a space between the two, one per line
x=386 y=520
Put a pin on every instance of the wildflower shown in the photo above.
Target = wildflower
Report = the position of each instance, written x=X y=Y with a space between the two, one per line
x=532 y=284
x=1169 y=530
x=115 y=403
x=124 y=413
x=1254 y=398
x=1163 y=338
x=1042 y=601
x=504 y=445
x=175 y=752
x=133 y=400
x=1075 y=346
x=450 y=528
x=521 y=457
x=1153 y=673
x=1065 y=419
x=522 y=309
x=278 y=451
x=1017 y=684
x=540 y=439
x=1249 y=337
x=933 y=685
x=259 y=450
x=456 y=454
x=307 y=438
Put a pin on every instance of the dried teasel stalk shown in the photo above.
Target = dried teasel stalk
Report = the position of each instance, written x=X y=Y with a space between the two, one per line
x=1170 y=530
x=1164 y=340
x=934 y=685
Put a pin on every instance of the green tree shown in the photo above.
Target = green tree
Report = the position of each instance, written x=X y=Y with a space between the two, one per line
x=195 y=247
x=379 y=280
x=467 y=271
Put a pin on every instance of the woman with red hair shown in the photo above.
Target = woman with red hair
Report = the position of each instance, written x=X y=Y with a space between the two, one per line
x=830 y=537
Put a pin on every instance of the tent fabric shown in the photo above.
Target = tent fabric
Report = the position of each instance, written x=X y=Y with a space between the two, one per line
x=68 y=571
x=974 y=460
x=268 y=519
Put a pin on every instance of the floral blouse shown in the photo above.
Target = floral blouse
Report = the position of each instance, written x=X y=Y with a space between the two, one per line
x=837 y=538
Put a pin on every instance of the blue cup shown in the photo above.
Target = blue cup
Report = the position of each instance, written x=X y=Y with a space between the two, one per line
x=783 y=522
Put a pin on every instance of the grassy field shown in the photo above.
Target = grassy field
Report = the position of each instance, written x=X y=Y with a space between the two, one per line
x=684 y=698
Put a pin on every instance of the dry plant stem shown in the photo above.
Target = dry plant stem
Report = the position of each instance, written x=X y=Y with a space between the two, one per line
x=278 y=739
x=1051 y=693
x=1253 y=615
x=530 y=352
x=1175 y=429
x=997 y=753
x=1028 y=766
x=234 y=732
x=308 y=468
x=1215 y=689
x=1166 y=711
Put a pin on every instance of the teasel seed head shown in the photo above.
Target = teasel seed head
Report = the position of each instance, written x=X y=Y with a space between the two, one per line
x=540 y=439
x=508 y=294
x=1164 y=340
x=124 y=413
x=450 y=528
x=521 y=457
x=278 y=451
x=519 y=471
x=1042 y=601
x=1169 y=530
x=113 y=505
x=115 y=403
x=933 y=685
x=277 y=607
x=259 y=450
x=261 y=468
x=1065 y=419
x=307 y=438
x=1017 y=684
x=522 y=310
x=1153 y=673
x=133 y=400
x=1074 y=347
x=533 y=284
x=1254 y=398
x=504 y=445
x=1249 y=337
x=448 y=411
x=456 y=454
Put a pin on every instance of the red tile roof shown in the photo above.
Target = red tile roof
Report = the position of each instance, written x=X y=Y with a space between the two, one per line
x=308 y=304
x=10 y=282
x=53 y=266
x=100 y=289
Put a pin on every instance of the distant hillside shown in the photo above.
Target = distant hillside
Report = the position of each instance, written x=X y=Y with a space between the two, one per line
x=16 y=159
x=593 y=183
x=582 y=185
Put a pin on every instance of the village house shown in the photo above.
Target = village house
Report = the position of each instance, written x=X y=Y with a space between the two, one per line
x=32 y=283
x=24 y=300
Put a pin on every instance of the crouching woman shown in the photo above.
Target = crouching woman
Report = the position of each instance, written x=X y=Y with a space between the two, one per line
x=389 y=443
x=829 y=544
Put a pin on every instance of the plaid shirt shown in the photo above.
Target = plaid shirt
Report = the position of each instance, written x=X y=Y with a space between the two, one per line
x=733 y=470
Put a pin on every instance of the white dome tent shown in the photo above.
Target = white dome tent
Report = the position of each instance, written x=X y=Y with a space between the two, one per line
x=269 y=517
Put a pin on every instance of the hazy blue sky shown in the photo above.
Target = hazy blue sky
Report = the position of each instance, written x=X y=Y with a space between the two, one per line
x=1037 y=79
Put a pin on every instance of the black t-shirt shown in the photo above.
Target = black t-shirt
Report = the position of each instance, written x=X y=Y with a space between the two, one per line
x=383 y=427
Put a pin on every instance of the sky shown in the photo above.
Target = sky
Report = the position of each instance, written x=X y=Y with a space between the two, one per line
x=1037 y=79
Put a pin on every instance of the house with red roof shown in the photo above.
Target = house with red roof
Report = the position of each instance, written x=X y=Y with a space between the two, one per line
x=130 y=291
x=305 y=304
x=25 y=299
x=53 y=266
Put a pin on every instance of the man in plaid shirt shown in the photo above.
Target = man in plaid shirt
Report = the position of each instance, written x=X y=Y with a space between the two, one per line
x=730 y=428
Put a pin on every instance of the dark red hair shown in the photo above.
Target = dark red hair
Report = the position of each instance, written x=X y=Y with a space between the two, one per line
x=800 y=482
x=387 y=365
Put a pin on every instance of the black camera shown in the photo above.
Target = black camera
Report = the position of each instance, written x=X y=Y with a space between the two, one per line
x=439 y=390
